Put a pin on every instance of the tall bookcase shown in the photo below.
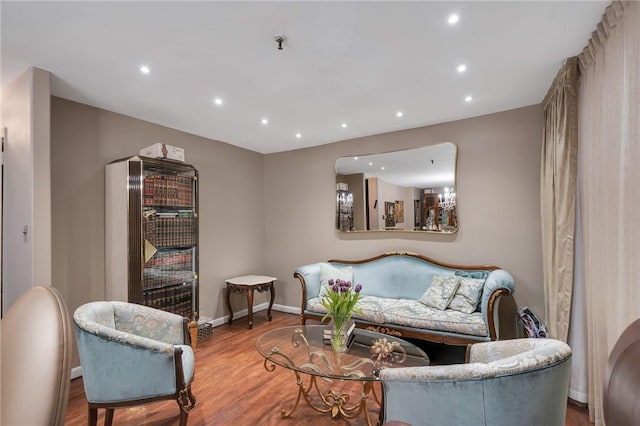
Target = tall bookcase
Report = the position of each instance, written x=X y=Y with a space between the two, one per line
x=151 y=240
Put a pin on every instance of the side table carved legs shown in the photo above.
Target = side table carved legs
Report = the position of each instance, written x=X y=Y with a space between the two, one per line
x=249 y=289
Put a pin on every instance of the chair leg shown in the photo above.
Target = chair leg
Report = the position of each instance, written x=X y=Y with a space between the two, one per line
x=93 y=416
x=184 y=415
x=192 y=397
x=108 y=417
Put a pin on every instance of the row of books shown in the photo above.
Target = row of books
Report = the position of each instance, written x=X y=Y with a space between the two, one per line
x=156 y=277
x=171 y=260
x=328 y=331
x=172 y=213
x=170 y=231
x=168 y=190
x=174 y=299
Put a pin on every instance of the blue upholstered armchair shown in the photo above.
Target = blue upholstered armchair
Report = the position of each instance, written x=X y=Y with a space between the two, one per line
x=507 y=382
x=132 y=354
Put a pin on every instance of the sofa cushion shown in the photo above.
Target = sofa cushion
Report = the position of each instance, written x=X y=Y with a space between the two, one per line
x=411 y=313
x=467 y=295
x=371 y=308
x=441 y=291
x=330 y=272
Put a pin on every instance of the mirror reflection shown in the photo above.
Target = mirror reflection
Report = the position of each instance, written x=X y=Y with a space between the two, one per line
x=410 y=190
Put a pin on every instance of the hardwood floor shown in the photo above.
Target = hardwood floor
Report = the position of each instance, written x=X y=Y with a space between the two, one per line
x=232 y=387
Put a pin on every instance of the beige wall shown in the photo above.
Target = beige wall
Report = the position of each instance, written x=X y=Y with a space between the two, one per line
x=270 y=214
x=27 y=183
x=498 y=189
x=84 y=139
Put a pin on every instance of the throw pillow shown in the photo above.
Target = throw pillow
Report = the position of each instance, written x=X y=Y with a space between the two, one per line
x=330 y=272
x=442 y=290
x=467 y=295
x=473 y=274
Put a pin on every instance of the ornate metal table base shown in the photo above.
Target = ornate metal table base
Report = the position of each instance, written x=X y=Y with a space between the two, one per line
x=303 y=350
x=336 y=403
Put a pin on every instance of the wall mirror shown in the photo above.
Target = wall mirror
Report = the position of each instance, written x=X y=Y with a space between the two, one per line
x=410 y=190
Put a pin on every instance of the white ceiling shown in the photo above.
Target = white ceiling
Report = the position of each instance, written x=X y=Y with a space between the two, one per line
x=343 y=62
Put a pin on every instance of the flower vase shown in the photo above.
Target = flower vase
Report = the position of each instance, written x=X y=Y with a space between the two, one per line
x=339 y=336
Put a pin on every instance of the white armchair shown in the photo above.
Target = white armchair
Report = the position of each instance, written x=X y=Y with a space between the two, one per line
x=506 y=382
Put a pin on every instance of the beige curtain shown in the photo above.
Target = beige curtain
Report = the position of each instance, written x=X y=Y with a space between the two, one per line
x=558 y=196
x=609 y=175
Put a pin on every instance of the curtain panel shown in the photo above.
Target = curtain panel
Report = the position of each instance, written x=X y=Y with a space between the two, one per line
x=558 y=196
x=609 y=182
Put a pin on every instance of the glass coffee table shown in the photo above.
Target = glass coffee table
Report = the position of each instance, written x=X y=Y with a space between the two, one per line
x=301 y=349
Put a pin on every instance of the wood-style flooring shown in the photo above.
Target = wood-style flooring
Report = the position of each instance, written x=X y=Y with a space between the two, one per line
x=232 y=387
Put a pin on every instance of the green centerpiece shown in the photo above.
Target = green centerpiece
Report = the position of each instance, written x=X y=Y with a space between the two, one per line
x=340 y=301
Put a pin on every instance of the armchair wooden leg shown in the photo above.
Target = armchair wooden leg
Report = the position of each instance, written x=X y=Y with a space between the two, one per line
x=108 y=417
x=93 y=416
x=192 y=398
x=184 y=415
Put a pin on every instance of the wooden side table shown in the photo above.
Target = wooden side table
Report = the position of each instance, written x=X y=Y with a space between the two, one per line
x=248 y=284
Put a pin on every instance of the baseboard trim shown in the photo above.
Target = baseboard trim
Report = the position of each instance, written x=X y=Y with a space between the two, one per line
x=76 y=372
x=287 y=309
x=245 y=312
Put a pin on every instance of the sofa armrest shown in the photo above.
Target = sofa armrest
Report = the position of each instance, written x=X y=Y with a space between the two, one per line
x=536 y=352
x=492 y=351
x=435 y=373
x=148 y=322
x=309 y=277
x=125 y=338
x=499 y=283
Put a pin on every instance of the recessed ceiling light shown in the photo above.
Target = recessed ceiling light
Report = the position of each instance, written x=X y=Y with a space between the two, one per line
x=468 y=98
x=370 y=163
x=298 y=135
x=343 y=125
x=145 y=69
x=217 y=101
x=461 y=68
x=382 y=168
x=453 y=19
x=264 y=121
x=399 y=114
x=355 y=158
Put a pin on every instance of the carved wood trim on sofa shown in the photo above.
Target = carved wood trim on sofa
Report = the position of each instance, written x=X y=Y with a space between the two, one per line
x=403 y=331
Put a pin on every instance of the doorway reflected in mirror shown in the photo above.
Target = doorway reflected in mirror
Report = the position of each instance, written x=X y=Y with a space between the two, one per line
x=424 y=178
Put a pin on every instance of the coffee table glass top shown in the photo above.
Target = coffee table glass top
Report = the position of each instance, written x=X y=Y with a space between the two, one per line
x=301 y=348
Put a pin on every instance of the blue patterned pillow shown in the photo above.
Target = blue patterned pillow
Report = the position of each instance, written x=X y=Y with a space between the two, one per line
x=473 y=274
x=467 y=295
x=441 y=291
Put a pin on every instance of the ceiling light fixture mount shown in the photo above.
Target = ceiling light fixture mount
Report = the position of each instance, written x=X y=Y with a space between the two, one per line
x=280 y=38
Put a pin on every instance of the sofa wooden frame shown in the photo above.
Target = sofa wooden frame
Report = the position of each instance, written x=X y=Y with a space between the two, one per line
x=405 y=331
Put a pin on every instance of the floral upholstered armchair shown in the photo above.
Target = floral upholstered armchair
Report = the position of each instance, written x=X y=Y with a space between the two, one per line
x=507 y=382
x=132 y=354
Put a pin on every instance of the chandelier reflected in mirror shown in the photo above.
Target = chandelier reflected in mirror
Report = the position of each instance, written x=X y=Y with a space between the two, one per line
x=448 y=200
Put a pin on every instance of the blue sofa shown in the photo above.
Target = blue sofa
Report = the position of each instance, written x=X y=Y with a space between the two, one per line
x=392 y=286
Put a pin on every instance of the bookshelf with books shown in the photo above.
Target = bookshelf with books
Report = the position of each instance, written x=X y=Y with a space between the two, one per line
x=152 y=234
